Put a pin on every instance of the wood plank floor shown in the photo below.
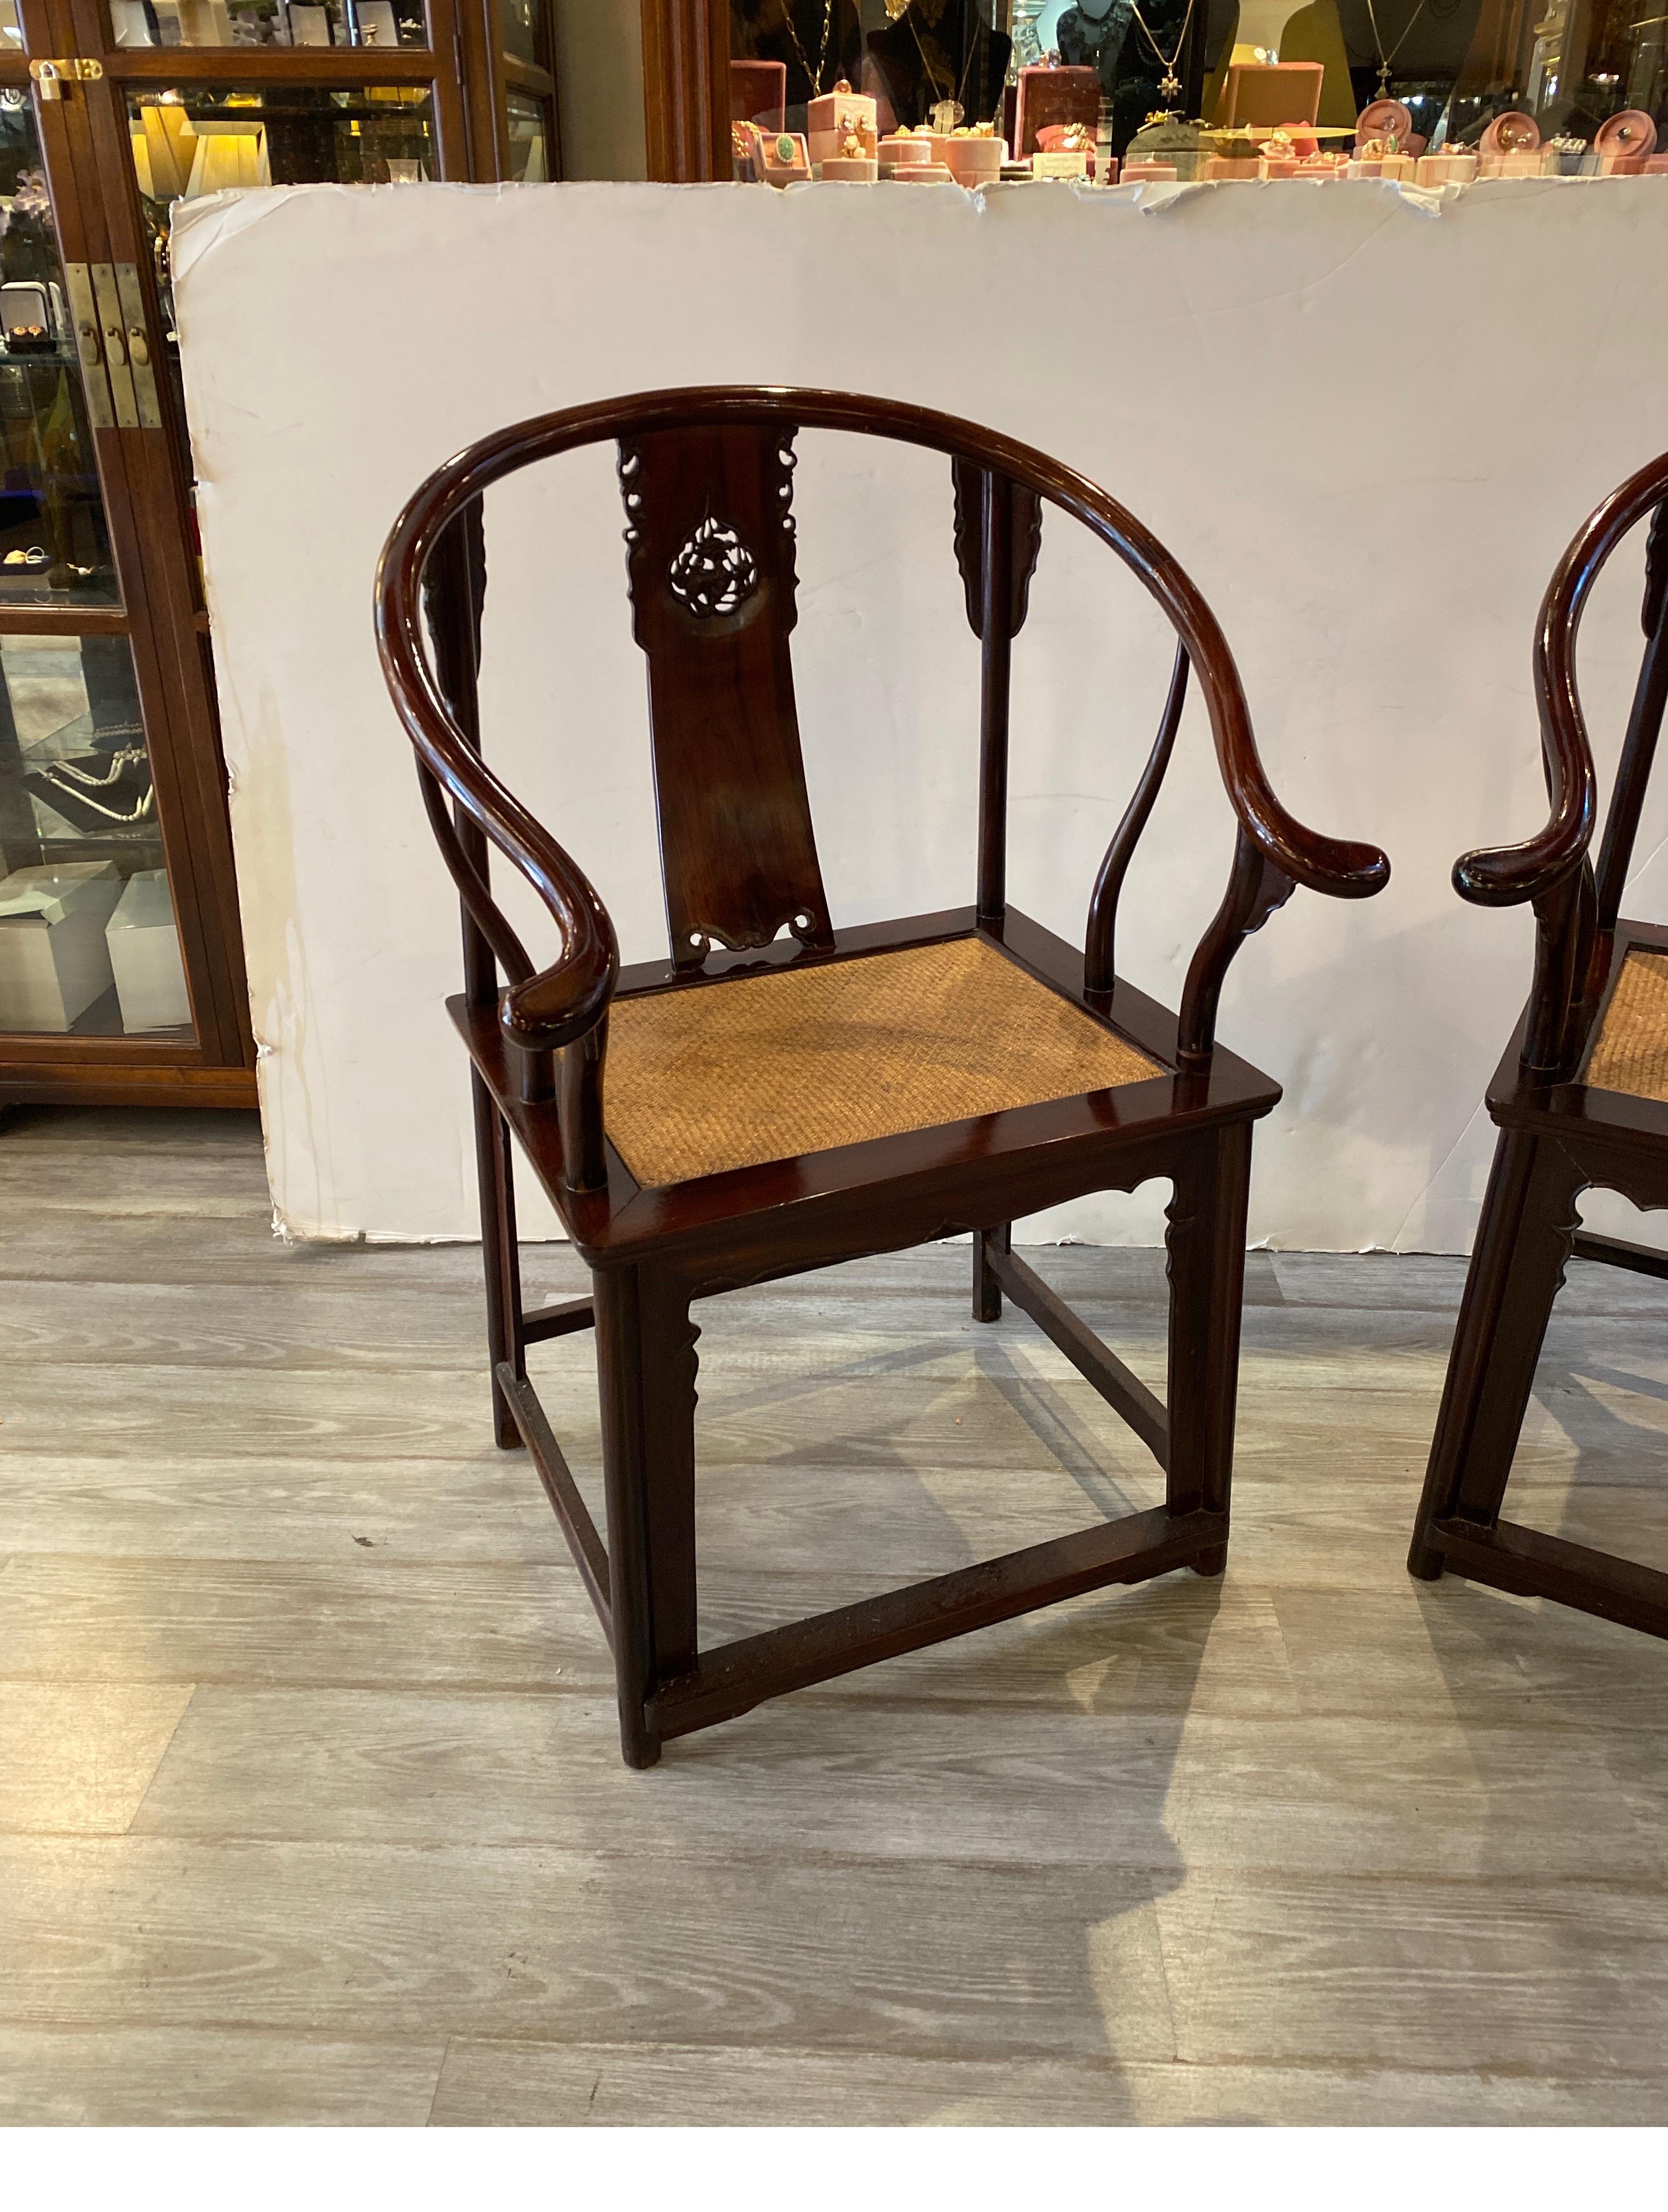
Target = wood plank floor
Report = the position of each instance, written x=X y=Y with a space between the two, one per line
x=311 y=1806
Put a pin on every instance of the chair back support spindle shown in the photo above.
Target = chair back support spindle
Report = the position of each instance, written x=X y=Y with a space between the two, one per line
x=1633 y=773
x=1100 y=945
x=707 y=477
x=709 y=526
x=997 y=534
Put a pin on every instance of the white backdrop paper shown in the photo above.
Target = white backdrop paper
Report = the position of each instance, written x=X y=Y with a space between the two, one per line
x=1367 y=428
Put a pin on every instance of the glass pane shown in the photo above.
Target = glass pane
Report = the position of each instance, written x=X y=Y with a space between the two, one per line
x=11 y=31
x=186 y=143
x=521 y=27
x=528 y=164
x=54 y=547
x=88 y=943
x=268 y=23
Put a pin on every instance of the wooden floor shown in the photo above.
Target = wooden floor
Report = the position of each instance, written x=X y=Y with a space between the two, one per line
x=311 y=1804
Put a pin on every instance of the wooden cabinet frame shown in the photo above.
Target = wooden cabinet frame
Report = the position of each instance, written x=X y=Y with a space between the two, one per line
x=686 y=89
x=145 y=478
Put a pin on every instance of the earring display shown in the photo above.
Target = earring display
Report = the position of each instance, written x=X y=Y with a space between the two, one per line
x=842 y=124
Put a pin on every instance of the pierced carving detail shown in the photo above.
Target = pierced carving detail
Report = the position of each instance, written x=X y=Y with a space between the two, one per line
x=712 y=572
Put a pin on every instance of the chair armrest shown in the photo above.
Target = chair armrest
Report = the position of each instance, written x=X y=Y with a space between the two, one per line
x=1507 y=875
x=542 y=1009
x=1335 y=865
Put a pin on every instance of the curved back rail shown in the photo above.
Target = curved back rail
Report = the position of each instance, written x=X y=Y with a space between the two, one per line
x=1575 y=910
x=700 y=453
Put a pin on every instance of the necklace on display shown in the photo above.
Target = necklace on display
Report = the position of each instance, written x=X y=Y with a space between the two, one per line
x=955 y=100
x=1170 y=84
x=1095 y=29
x=1386 y=59
x=815 y=78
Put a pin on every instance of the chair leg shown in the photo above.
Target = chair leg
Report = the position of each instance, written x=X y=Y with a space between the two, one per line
x=1523 y=1241
x=646 y=1360
x=986 y=1291
x=1206 y=1245
x=501 y=1256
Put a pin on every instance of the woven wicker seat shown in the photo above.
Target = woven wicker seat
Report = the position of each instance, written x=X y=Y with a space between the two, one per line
x=770 y=1067
x=1630 y=1053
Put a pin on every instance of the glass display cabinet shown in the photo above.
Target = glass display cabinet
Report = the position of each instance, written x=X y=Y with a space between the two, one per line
x=120 y=961
x=1576 y=88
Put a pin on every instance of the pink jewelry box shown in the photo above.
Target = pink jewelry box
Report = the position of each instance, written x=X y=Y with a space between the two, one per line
x=1147 y=172
x=842 y=109
x=759 y=93
x=921 y=173
x=916 y=151
x=847 y=169
x=1401 y=167
x=831 y=115
x=1053 y=96
x=974 y=160
x=1447 y=168
x=781 y=157
x=1219 y=168
x=1525 y=161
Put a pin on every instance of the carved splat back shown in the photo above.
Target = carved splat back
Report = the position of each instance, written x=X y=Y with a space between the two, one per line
x=709 y=526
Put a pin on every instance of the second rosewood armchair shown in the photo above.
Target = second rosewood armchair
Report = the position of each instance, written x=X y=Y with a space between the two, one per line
x=780 y=1095
x=1580 y=1098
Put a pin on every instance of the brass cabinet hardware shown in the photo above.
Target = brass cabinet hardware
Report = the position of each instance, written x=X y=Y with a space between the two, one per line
x=89 y=344
x=113 y=328
x=138 y=346
x=52 y=75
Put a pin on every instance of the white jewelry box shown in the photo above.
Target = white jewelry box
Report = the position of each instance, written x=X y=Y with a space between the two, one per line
x=143 y=941
x=54 y=961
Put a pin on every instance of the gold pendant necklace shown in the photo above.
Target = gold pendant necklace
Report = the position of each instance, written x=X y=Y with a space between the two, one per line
x=1386 y=59
x=1170 y=84
x=814 y=81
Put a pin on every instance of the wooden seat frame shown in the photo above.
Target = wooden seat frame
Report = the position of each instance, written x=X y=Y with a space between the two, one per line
x=1558 y=1135
x=706 y=479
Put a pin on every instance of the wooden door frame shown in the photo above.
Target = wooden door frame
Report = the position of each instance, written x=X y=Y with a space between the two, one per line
x=489 y=76
x=685 y=90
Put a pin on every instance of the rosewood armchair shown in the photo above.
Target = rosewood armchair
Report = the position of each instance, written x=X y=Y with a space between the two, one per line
x=1580 y=1098
x=782 y=1095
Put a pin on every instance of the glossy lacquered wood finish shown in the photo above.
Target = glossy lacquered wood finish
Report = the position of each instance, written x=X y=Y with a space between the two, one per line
x=1559 y=1135
x=685 y=90
x=737 y=851
x=706 y=482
